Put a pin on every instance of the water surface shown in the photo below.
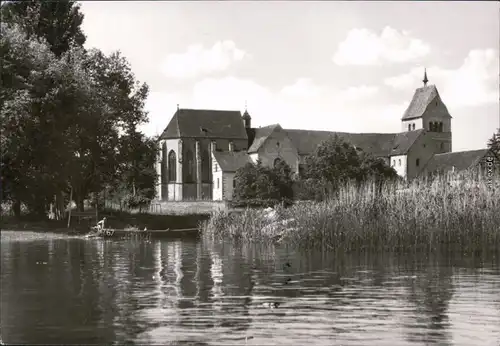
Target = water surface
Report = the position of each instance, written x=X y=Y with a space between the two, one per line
x=68 y=290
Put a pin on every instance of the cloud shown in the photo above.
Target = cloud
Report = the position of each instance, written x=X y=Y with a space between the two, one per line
x=365 y=47
x=302 y=104
x=474 y=83
x=302 y=88
x=200 y=61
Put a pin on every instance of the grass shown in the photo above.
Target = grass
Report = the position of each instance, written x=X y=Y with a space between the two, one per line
x=115 y=219
x=426 y=215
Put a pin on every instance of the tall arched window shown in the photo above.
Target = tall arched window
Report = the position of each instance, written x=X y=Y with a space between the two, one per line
x=172 y=166
x=163 y=163
x=190 y=169
x=205 y=167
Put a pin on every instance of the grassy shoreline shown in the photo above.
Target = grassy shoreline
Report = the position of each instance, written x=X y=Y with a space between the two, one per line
x=115 y=219
x=427 y=215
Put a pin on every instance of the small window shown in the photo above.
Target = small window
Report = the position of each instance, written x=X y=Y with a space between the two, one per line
x=409 y=127
x=278 y=144
x=442 y=146
x=234 y=183
x=424 y=145
x=417 y=162
x=393 y=163
x=413 y=126
x=399 y=162
x=217 y=182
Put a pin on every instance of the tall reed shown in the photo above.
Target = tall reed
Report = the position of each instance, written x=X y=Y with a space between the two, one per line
x=460 y=212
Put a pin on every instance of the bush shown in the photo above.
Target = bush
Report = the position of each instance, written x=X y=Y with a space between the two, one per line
x=257 y=185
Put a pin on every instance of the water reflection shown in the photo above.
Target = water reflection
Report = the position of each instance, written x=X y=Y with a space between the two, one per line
x=198 y=292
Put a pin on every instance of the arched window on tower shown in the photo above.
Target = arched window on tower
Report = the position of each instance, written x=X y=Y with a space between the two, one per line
x=440 y=127
x=190 y=169
x=409 y=127
x=172 y=166
x=413 y=126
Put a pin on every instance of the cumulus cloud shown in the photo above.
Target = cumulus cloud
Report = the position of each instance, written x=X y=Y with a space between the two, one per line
x=474 y=83
x=302 y=88
x=365 y=47
x=302 y=104
x=200 y=61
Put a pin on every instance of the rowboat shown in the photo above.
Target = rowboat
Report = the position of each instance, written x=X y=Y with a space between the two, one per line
x=138 y=233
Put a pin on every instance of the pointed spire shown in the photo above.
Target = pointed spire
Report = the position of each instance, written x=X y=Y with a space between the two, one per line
x=246 y=106
x=425 y=80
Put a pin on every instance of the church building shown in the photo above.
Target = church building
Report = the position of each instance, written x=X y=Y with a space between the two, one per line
x=200 y=150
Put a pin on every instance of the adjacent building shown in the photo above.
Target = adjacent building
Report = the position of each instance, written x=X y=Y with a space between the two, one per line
x=200 y=150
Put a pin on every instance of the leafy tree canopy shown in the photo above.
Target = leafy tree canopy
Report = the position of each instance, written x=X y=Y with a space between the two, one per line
x=69 y=116
x=260 y=185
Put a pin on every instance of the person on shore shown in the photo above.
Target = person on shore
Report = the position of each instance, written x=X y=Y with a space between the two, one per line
x=100 y=226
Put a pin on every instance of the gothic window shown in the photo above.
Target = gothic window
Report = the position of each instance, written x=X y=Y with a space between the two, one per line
x=205 y=167
x=163 y=164
x=172 y=166
x=190 y=169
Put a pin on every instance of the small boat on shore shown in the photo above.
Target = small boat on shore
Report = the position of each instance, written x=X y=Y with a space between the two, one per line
x=109 y=233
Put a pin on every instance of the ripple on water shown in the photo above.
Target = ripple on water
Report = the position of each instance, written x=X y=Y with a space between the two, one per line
x=194 y=293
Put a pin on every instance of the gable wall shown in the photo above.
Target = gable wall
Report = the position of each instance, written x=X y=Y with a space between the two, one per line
x=269 y=151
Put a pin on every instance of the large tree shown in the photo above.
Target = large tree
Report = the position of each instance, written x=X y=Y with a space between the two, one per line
x=336 y=162
x=57 y=22
x=69 y=119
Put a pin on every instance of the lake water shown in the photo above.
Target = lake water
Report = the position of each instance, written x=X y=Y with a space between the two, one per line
x=67 y=290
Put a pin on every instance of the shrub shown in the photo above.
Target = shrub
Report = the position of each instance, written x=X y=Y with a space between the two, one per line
x=257 y=185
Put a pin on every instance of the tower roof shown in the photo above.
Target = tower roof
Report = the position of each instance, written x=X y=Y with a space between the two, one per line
x=421 y=99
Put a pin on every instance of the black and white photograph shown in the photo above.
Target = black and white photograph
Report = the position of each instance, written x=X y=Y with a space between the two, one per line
x=214 y=173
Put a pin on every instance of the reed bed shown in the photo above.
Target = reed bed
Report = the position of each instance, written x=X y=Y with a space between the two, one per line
x=460 y=212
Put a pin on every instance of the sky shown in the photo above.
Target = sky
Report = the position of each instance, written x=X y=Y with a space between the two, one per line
x=337 y=66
